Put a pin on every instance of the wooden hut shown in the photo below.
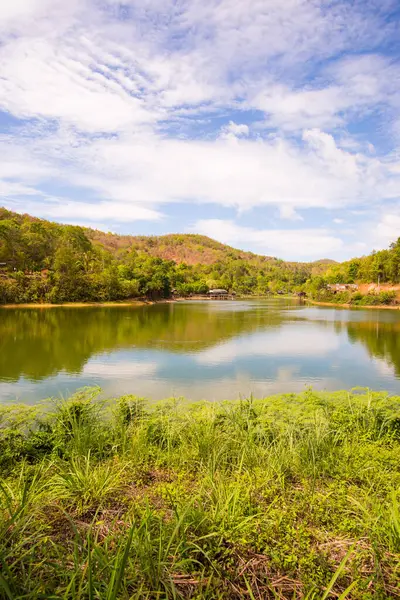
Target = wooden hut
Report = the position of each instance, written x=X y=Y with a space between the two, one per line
x=218 y=293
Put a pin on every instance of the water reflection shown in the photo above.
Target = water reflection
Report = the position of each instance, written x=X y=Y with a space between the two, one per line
x=211 y=349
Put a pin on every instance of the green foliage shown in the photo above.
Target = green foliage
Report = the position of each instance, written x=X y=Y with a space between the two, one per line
x=54 y=263
x=84 y=484
x=385 y=298
x=382 y=298
x=294 y=496
x=383 y=265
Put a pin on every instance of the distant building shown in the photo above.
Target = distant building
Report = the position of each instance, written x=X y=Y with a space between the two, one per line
x=342 y=287
x=218 y=293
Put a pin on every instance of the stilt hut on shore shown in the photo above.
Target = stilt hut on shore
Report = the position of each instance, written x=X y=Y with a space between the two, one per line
x=218 y=293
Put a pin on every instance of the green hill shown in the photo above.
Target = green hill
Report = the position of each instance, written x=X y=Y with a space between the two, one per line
x=186 y=248
x=42 y=261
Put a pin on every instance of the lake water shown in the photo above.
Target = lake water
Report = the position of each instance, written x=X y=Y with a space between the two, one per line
x=213 y=349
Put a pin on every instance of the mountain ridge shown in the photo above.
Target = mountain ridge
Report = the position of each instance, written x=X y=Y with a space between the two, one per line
x=189 y=248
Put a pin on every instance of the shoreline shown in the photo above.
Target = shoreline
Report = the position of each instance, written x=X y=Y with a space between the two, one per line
x=347 y=305
x=82 y=304
x=137 y=303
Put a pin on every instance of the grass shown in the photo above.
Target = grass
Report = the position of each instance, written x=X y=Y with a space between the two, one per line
x=382 y=299
x=289 y=497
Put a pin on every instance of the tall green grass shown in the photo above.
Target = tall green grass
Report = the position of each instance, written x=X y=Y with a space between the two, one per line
x=292 y=496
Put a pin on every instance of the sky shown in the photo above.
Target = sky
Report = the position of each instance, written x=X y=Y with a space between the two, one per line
x=269 y=125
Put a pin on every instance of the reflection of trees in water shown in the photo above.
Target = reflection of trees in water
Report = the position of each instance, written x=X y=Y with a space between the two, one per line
x=39 y=343
x=381 y=339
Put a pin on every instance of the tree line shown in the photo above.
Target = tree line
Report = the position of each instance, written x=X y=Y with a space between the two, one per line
x=379 y=267
x=41 y=261
x=382 y=266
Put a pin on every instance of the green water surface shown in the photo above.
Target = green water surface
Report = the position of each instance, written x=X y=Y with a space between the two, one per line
x=210 y=349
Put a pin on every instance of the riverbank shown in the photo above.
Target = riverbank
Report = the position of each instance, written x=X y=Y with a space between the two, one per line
x=292 y=496
x=192 y=298
x=87 y=304
x=348 y=305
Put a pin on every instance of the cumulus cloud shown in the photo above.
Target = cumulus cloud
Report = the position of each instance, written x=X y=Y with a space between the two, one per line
x=116 y=212
x=347 y=90
x=233 y=130
x=150 y=170
x=388 y=228
x=289 y=213
x=243 y=105
x=273 y=343
x=309 y=243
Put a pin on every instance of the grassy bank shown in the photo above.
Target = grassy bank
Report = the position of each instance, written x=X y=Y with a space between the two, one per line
x=295 y=496
x=349 y=305
x=349 y=299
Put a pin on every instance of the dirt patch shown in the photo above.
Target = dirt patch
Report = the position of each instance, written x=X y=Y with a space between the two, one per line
x=374 y=288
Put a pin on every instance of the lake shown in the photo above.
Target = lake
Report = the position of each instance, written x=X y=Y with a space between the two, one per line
x=201 y=350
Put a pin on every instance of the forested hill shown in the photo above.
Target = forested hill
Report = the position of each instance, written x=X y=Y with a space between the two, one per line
x=43 y=261
x=191 y=249
x=49 y=262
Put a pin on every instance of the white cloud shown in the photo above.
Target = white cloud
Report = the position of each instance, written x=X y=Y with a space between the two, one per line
x=12 y=13
x=93 y=211
x=309 y=244
x=288 y=212
x=272 y=343
x=338 y=221
x=141 y=104
x=149 y=170
x=57 y=81
x=103 y=368
x=301 y=108
x=348 y=89
x=233 y=130
x=388 y=229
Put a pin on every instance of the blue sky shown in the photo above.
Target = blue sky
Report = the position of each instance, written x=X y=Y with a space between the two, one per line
x=272 y=126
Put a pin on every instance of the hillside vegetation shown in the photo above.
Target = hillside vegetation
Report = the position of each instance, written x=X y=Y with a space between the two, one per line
x=290 y=497
x=377 y=277
x=48 y=262
x=191 y=249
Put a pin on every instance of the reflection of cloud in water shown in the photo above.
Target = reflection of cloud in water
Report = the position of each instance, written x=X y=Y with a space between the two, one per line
x=286 y=374
x=100 y=368
x=222 y=389
x=208 y=351
x=222 y=306
x=383 y=367
x=285 y=342
x=337 y=314
x=10 y=393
